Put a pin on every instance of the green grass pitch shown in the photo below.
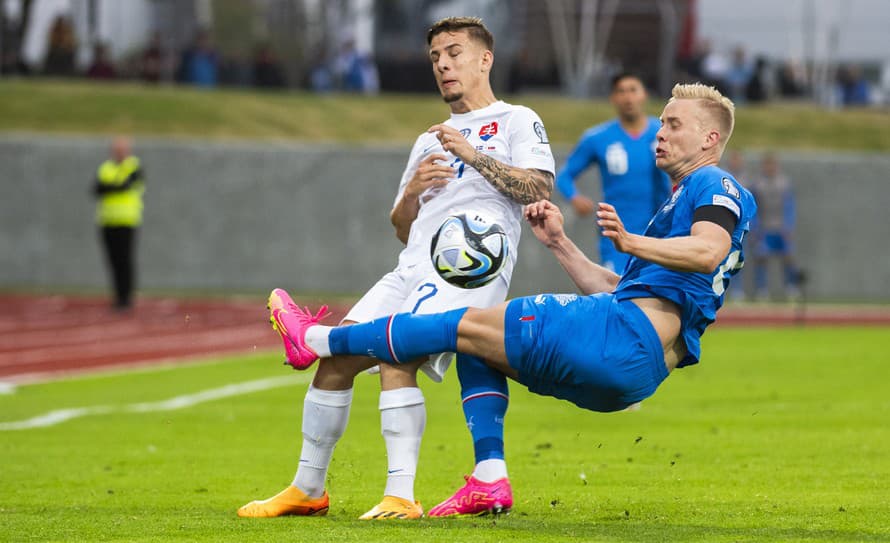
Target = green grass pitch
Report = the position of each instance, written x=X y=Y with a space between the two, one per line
x=779 y=435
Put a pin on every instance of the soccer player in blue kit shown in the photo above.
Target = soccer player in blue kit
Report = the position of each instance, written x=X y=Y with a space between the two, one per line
x=614 y=345
x=624 y=151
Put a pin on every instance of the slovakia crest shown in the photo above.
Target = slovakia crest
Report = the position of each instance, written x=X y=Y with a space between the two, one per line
x=489 y=130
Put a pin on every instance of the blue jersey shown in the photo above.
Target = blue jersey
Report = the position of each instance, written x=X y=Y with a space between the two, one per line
x=631 y=182
x=699 y=295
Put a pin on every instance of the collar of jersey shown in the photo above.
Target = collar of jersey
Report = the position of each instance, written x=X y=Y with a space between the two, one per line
x=490 y=108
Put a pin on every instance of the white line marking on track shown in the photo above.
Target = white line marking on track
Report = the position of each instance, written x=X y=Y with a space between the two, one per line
x=59 y=416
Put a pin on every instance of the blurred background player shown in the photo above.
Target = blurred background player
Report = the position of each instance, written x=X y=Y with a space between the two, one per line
x=489 y=157
x=773 y=233
x=119 y=186
x=624 y=150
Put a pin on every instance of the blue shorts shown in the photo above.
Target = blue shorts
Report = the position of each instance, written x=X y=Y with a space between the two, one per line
x=774 y=243
x=594 y=351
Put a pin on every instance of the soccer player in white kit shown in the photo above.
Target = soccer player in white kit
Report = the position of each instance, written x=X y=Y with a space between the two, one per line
x=490 y=158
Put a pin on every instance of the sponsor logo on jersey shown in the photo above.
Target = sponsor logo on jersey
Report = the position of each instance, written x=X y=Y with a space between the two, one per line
x=730 y=188
x=728 y=203
x=539 y=151
x=565 y=299
x=465 y=132
x=540 y=132
x=489 y=130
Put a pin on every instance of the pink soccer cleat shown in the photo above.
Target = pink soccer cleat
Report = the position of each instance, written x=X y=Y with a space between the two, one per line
x=291 y=323
x=477 y=498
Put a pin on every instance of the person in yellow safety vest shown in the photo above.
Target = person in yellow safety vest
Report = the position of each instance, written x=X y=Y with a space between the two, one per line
x=118 y=188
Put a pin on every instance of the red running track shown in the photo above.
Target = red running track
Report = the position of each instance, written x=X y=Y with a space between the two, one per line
x=43 y=336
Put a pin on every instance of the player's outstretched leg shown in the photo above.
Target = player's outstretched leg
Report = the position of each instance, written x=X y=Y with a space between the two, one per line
x=290 y=322
x=290 y=501
x=395 y=339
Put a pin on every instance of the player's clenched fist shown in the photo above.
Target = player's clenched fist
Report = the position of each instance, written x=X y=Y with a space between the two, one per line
x=432 y=172
x=546 y=221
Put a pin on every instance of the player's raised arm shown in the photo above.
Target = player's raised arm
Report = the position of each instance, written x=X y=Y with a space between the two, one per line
x=523 y=185
x=701 y=251
x=432 y=172
x=546 y=221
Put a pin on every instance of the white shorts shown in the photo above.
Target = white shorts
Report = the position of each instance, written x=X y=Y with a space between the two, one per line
x=419 y=289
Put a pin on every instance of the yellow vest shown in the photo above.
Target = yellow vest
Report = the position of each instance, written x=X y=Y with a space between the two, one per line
x=123 y=208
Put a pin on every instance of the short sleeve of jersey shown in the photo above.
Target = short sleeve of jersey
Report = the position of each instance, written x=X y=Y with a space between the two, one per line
x=722 y=191
x=410 y=168
x=528 y=141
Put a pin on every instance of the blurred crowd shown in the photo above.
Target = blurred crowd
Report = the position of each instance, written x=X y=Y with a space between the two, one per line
x=745 y=79
x=200 y=64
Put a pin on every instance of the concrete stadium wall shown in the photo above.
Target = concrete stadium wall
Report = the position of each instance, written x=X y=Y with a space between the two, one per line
x=315 y=218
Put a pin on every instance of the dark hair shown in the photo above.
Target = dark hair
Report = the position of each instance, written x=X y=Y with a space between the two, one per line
x=617 y=78
x=473 y=25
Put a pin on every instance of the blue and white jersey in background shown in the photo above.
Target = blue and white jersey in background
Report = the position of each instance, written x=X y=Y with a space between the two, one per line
x=510 y=134
x=699 y=295
x=630 y=180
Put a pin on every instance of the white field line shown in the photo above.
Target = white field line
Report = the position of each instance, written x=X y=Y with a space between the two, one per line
x=59 y=416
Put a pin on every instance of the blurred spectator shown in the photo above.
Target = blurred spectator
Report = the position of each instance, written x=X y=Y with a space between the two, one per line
x=354 y=71
x=62 y=48
x=693 y=65
x=320 y=77
x=199 y=64
x=773 y=232
x=792 y=80
x=852 y=86
x=235 y=70
x=12 y=64
x=101 y=67
x=714 y=65
x=151 y=66
x=267 y=71
x=762 y=83
x=738 y=74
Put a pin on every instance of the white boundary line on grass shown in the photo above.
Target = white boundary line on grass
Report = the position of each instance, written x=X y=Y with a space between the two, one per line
x=59 y=416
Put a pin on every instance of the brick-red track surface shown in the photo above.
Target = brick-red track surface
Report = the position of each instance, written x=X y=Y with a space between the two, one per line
x=43 y=336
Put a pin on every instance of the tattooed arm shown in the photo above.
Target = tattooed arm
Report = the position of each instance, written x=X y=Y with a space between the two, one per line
x=522 y=185
x=519 y=184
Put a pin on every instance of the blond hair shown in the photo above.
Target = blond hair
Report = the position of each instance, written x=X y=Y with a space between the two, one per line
x=473 y=25
x=718 y=107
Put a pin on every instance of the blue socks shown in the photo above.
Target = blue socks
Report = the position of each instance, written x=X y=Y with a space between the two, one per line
x=485 y=397
x=399 y=338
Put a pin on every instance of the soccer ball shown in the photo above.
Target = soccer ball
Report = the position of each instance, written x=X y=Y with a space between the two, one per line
x=469 y=250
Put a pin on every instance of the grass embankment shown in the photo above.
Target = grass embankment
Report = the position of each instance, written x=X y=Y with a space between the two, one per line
x=88 y=108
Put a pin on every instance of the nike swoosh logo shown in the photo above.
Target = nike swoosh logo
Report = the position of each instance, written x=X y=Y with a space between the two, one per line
x=394 y=470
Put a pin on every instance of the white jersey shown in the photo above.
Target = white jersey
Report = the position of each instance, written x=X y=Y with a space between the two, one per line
x=510 y=134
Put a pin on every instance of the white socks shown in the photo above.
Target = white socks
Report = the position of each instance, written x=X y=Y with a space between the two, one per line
x=325 y=413
x=317 y=340
x=489 y=471
x=402 y=420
